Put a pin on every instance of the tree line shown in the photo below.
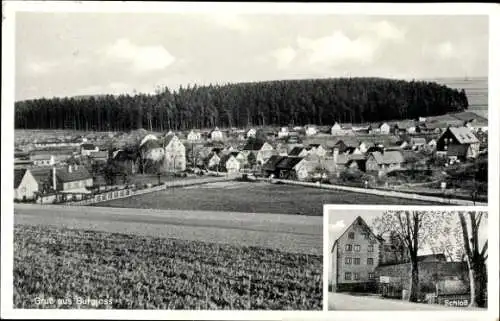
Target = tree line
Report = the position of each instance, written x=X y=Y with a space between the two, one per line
x=285 y=102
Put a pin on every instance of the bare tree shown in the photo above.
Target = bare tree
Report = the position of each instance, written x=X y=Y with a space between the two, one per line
x=476 y=255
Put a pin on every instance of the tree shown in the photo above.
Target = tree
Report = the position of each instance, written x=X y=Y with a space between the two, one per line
x=413 y=228
x=252 y=160
x=476 y=255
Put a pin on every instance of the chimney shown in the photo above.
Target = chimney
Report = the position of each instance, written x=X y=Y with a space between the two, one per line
x=54 y=180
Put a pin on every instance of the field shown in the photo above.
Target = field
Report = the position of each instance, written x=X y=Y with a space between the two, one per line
x=57 y=267
x=252 y=197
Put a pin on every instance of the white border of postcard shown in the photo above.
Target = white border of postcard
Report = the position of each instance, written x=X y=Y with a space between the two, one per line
x=8 y=72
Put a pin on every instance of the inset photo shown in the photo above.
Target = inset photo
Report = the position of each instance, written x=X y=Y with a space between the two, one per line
x=407 y=259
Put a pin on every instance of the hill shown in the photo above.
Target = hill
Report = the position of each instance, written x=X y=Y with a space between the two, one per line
x=300 y=102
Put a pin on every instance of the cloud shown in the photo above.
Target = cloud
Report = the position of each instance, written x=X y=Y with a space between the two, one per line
x=337 y=49
x=42 y=67
x=284 y=56
x=142 y=58
x=445 y=50
x=337 y=226
x=229 y=21
x=387 y=30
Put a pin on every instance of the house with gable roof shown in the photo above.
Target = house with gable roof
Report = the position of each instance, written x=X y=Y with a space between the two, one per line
x=458 y=142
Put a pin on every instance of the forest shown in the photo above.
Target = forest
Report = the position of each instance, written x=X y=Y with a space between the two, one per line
x=284 y=102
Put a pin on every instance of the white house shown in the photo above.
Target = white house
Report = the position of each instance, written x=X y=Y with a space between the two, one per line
x=316 y=149
x=194 y=136
x=212 y=161
x=283 y=132
x=43 y=160
x=175 y=154
x=251 y=133
x=216 y=135
x=311 y=130
x=385 y=128
x=87 y=149
x=262 y=150
x=336 y=129
x=25 y=184
x=432 y=143
x=230 y=164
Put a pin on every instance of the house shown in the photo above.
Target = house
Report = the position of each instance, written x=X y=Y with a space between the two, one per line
x=384 y=128
x=269 y=167
x=25 y=185
x=43 y=160
x=298 y=151
x=384 y=162
x=311 y=130
x=337 y=129
x=194 y=136
x=216 y=135
x=432 y=143
x=87 y=149
x=306 y=167
x=242 y=157
x=364 y=146
x=251 y=133
x=262 y=150
x=355 y=256
x=152 y=151
x=459 y=142
x=283 y=132
x=286 y=167
x=147 y=138
x=212 y=162
x=229 y=164
x=71 y=179
x=316 y=149
x=417 y=142
x=175 y=154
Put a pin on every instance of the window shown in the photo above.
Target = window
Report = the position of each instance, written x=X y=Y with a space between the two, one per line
x=371 y=275
x=347 y=276
x=366 y=236
x=357 y=248
x=369 y=261
x=351 y=235
x=357 y=261
x=348 y=247
x=356 y=276
x=370 y=248
x=348 y=260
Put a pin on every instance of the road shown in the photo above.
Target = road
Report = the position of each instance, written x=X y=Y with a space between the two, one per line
x=341 y=301
x=291 y=233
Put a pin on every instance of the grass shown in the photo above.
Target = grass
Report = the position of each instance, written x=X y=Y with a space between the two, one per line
x=253 y=197
x=121 y=271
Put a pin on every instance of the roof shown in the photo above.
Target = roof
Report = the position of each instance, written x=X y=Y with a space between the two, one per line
x=151 y=144
x=388 y=157
x=254 y=145
x=464 y=135
x=296 y=151
x=314 y=145
x=418 y=140
x=288 y=162
x=362 y=222
x=357 y=157
x=81 y=173
x=88 y=146
x=431 y=257
x=272 y=162
x=41 y=157
x=225 y=158
x=348 y=141
x=101 y=154
x=18 y=176
x=168 y=138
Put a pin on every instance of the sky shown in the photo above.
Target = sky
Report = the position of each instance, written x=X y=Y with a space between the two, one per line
x=67 y=54
x=340 y=220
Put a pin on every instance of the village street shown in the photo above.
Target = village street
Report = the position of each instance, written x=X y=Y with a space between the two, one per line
x=341 y=301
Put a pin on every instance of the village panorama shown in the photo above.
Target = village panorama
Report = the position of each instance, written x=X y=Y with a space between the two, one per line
x=184 y=200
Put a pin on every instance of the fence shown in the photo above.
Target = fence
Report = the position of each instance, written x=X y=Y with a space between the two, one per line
x=383 y=193
x=117 y=194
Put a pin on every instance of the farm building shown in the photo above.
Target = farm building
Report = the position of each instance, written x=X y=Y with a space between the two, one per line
x=25 y=185
x=269 y=167
x=175 y=154
x=458 y=142
x=71 y=179
x=285 y=168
